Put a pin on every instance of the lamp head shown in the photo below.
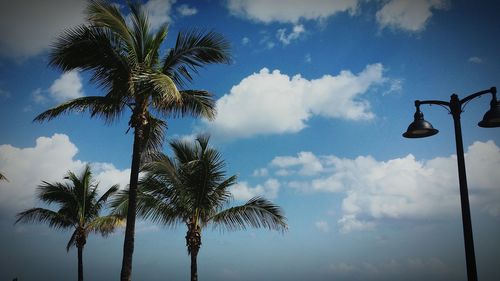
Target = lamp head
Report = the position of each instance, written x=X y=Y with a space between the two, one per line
x=491 y=118
x=419 y=128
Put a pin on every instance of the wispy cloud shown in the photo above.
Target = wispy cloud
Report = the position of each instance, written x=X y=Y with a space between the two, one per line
x=296 y=33
x=475 y=59
x=185 y=11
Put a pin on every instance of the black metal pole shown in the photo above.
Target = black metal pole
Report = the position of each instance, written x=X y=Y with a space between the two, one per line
x=470 y=257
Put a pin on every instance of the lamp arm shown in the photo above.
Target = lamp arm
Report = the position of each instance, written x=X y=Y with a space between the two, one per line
x=491 y=90
x=436 y=102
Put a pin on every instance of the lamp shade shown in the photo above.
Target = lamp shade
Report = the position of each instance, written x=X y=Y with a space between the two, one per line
x=420 y=128
x=491 y=118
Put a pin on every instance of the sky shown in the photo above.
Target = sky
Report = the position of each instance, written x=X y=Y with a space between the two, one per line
x=310 y=115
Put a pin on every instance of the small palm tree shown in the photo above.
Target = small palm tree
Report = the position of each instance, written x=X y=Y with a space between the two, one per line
x=79 y=208
x=125 y=61
x=2 y=177
x=192 y=188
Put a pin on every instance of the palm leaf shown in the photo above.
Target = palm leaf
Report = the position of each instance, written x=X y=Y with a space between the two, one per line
x=56 y=193
x=72 y=241
x=102 y=200
x=94 y=49
x=103 y=14
x=194 y=103
x=149 y=206
x=104 y=107
x=257 y=213
x=193 y=49
x=105 y=225
x=53 y=219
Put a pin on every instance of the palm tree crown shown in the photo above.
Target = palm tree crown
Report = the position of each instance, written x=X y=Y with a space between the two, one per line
x=78 y=208
x=124 y=58
x=192 y=188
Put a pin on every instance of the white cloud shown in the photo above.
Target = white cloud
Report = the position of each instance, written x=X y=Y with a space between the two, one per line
x=295 y=34
x=322 y=226
x=310 y=164
x=245 y=40
x=107 y=175
x=243 y=191
x=48 y=160
x=405 y=188
x=274 y=103
x=408 y=15
x=262 y=172
x=475 y=60
x=68 y=86
x=159 y=12
x=38 y=96
x=28 y=27
x=400 y=188
x=290 y=11
x=185 y=11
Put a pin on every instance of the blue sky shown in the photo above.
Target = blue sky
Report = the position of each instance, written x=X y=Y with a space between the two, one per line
x=310 y=115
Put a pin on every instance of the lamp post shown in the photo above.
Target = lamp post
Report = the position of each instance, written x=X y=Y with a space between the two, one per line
x=420 y=128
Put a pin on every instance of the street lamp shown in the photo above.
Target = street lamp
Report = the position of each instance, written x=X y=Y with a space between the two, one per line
x=421 y=129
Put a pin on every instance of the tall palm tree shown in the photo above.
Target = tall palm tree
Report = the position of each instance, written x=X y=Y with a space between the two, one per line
x=79 y=208
x=193 y=189
x=124 y=59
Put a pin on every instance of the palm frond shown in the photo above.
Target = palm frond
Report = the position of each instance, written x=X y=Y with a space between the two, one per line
x=257 y=213
x=140 y=34
x=149 y=206
x=72 y=241
x=154 y=135
x=103 y=14
x=119 y=203
x=58 y=193
x=105 y=225
x=159 y=86
x=104 y=107
x=94 y=49
x=102 y=200
x=194 y=103
x=194 y=49
x=153 y=47
x=53 y=219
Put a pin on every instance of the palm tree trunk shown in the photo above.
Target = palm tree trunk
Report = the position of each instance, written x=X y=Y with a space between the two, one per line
x=80 y=263
x=128 y=244
x=194 y=267
x=193 y=242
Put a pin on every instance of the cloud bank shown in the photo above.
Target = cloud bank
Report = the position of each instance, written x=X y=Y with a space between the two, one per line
x=270 y=102
x=27 y=27
x=400 y=188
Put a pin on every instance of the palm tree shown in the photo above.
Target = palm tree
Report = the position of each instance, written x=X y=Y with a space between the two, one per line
x=2 y=177
x=124 y=60
x=79 y=208
x=193 y=189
